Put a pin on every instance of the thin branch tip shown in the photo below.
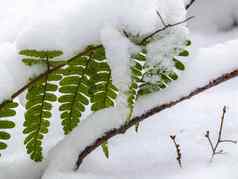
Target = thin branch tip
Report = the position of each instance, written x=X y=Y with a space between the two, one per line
x=165 y=27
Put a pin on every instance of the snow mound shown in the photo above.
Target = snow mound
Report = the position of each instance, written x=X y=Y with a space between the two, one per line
x=76 y=24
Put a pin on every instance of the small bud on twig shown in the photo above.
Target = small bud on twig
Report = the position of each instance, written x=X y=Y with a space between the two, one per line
x=178 y=150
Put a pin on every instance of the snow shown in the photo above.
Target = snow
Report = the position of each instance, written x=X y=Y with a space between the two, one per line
x=159 y=52
x=89 y=129
x=216 y=16
x=153 y=155
x=117 y=53
x=62 y=28
x=149 y=153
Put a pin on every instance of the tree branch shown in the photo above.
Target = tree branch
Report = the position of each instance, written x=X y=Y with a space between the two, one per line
x=111 y=133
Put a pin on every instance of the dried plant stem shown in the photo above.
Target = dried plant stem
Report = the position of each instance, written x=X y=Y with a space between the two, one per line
x=178 y=150
x=213 y=147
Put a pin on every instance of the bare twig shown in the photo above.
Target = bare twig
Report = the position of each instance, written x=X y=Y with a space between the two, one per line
x=219 y=139
x=161 y=19
x=178 y=150
x=190 y=4
x=166 y=26
x=113 y=132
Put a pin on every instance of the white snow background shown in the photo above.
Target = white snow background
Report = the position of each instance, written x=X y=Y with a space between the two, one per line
x=149 y=153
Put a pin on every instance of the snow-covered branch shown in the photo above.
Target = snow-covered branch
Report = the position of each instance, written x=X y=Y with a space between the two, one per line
x=201 y=74
x=111 y=133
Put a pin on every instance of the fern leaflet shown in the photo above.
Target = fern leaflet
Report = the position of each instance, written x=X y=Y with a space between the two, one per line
x=7 y=110
x=137 y=73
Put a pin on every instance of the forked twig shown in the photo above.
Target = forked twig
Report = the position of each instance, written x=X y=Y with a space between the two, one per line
x=165 y=26
x=214 y=147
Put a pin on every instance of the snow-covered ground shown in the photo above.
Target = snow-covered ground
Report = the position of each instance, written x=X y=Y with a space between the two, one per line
x=149 y=153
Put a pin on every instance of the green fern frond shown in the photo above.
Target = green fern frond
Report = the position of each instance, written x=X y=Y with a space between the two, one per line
x=86 y=81
x=7 y=110
x=164 y=75
x=140 y=87
x=137 y=73
x=74 y=89
x=40 y=97
x=103 y=92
